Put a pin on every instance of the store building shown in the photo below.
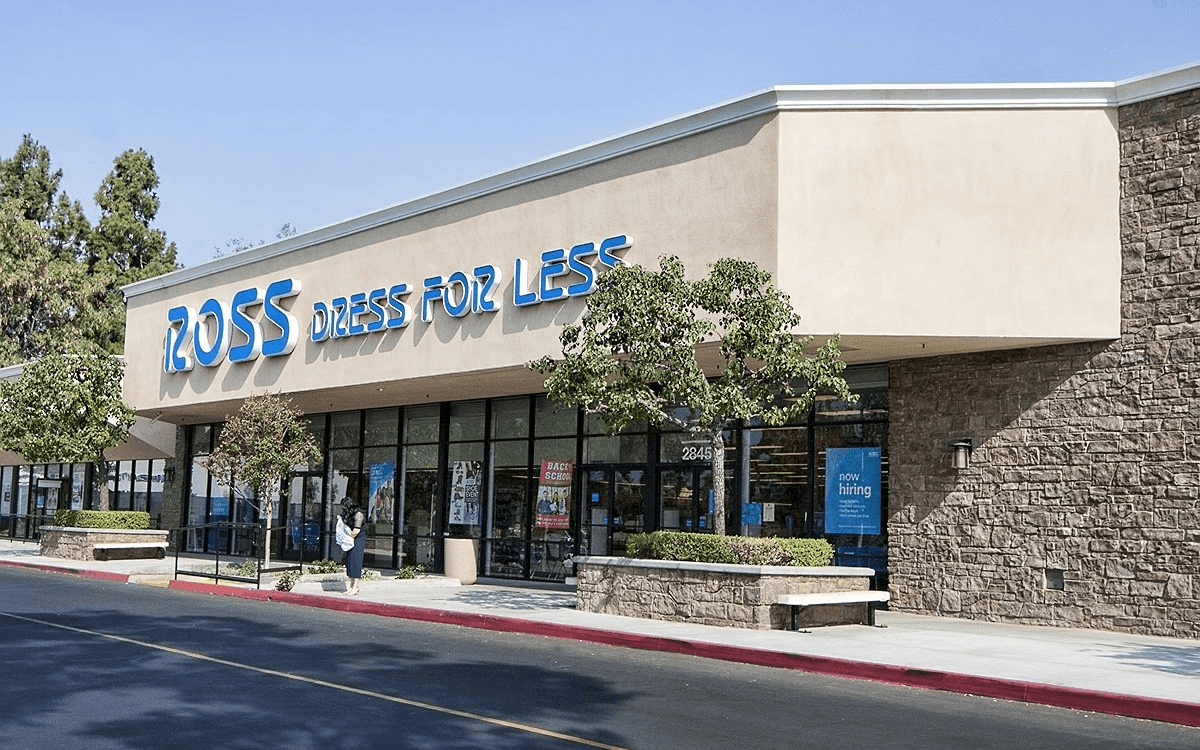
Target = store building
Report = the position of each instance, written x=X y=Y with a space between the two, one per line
x=1013 y=270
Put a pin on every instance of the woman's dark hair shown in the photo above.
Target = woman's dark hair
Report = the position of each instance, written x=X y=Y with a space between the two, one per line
x=349 y=508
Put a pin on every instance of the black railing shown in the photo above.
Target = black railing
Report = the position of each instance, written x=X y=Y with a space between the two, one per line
x=24 y=528
x=548 y=559
x=235 y=543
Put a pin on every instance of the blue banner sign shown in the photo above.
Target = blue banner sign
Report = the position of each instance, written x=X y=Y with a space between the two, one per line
x=852 y=491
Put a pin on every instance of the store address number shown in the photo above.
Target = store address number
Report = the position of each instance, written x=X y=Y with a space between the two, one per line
x=697 y=452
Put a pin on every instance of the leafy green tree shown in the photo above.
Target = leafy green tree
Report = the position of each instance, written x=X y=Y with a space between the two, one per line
x=123 y=248
x=46 y=301
x=697 y=354
x=128 y=204
x=66 y=407
x=258 y=447
x=28 y=179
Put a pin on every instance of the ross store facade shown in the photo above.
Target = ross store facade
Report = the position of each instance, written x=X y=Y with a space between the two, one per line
x=975 y=247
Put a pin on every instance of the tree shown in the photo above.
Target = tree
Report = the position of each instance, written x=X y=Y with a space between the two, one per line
x=123 y=248
x=66 y=407
x=46 y=301
x=28 y=179
x=641 y=348
x=258 y=447
x=238 y=244
x=128 y=204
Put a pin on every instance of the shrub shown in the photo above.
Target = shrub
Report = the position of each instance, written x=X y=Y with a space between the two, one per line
x=287 y=579
x=103 y=519
x=324 y=566
x=410 y=571
x=710 y=548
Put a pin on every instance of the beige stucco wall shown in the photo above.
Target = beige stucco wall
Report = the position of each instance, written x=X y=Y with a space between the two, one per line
x=968 y=229
x=910 y=232
x=702 y=197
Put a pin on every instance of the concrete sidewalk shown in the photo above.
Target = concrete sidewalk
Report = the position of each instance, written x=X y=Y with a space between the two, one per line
x=1103 y=671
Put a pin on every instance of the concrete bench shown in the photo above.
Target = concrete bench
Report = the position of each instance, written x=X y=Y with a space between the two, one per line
x=101 y=550
x=798 y=602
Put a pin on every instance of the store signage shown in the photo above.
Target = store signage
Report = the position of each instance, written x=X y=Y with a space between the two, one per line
x=257 y=319
x=852 y=491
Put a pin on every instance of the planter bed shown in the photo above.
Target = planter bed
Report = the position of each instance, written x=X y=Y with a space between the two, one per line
x=742 y=596
x=76 y=543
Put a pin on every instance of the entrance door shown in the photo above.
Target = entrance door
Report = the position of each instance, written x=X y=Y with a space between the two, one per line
x=304 y=519
x=614 y=501
x=687 y=499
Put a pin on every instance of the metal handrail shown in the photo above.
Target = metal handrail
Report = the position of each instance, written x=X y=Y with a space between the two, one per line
x=257 y=533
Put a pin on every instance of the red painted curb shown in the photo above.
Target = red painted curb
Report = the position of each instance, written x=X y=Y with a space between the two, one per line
x=80 y=572
x=1157 y=709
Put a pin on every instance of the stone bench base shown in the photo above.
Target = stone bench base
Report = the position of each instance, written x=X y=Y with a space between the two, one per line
x=74 y=543
x=743 y=596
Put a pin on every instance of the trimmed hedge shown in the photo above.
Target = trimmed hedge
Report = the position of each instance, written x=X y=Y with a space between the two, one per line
x=710 y=548
x=103 y=519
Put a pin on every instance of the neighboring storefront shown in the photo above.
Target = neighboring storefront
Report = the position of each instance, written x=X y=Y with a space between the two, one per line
x=138 y=474
x=1012 y=270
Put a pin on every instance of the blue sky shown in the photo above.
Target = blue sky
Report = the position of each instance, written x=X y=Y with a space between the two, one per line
x=260 y=112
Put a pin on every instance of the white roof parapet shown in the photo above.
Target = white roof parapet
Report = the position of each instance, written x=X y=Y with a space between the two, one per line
x=779 y=98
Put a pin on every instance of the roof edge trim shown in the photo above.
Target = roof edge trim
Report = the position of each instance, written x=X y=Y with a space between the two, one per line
x=766 y=102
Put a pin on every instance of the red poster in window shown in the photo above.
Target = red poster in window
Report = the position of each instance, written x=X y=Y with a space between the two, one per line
x=554 y=494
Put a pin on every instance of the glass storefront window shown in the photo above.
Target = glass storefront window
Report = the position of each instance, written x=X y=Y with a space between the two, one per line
x=552 y=418
x=422 y=424
x=316 y=428
x=465 y=516
x=419 y=507
x=380 y=470
x=201 y=439
x=466 y=420
x=78 y=485
x=510 y=418
x=345 y=480
x=593 y=424
x=141 y=485
x=382 y=427
x=344 y=429
x=613 y=449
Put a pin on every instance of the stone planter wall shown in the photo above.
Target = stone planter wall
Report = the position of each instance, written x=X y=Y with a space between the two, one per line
x=725 y=595
x=74 y=543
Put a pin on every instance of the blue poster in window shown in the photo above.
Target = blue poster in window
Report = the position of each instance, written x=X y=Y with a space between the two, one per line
x=852 y=491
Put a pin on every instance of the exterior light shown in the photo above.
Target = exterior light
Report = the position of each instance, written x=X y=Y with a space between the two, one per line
x=962 y=452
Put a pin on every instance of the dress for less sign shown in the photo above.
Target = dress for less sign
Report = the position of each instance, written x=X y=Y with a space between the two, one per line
x=852 y=491
x=260 y=322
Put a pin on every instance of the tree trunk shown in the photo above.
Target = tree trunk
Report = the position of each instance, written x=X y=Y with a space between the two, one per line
x=268 y=507
x=717 y=441
x=102 y=481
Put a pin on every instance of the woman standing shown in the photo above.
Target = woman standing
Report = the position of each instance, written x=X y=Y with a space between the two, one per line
x=353 y=516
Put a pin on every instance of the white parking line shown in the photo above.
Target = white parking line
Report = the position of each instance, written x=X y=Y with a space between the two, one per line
x=333 y=685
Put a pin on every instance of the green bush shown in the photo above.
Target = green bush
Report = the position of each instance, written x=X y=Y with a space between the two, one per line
x=287 y=579
x=103 y=519
x=323 y=566
x=744 y=550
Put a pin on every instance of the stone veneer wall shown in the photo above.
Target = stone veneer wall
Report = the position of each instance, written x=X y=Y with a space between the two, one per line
x=1087 y=456
x=74 y=543
x=738 y=596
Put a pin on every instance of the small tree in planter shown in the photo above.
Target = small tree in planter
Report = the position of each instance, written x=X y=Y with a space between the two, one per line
x=258 y=447
x=67 y=407
x=696 y=354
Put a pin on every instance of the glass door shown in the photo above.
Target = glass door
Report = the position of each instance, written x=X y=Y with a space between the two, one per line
x=614 y=507
x=686 y=499
x=303 y=518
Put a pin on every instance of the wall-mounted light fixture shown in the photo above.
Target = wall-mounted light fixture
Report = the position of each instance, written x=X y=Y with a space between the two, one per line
x=962 y=452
